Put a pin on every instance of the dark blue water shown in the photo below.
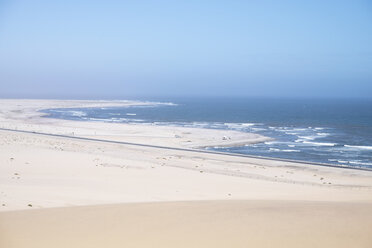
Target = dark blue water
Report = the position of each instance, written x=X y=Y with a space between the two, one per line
x=327 y=131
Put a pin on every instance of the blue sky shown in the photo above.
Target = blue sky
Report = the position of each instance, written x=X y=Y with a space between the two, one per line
x=118 y=49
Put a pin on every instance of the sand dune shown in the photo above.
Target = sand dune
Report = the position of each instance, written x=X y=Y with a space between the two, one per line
x=192 y=224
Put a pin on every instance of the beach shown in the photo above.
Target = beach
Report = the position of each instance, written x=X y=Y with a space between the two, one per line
x=157 y=189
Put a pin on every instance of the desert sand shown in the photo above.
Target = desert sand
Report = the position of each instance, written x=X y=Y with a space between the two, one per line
x=67 y=192
x=192 y=224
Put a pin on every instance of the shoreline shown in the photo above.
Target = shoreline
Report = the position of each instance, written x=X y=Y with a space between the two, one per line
x=26 y=115
x=276 y=146
x=225 y=143
x=198 y=150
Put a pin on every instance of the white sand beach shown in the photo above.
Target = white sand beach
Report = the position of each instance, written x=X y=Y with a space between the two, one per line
x=83 y=193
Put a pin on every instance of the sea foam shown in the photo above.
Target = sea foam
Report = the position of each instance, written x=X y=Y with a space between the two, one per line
x=319 y=143
x=359 y=147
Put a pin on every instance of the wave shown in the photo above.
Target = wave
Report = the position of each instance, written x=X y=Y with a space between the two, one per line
x=130 y=114
x=271 y=142
x=359 y=147
x=283 y=150
x=249 y=124
x=274 y=149
x=352 y=162
x=292 y=133
x=76 y=113
x=332 y=159
x=360 y=163
x=311 y=137
x=299 y=129
x=96 y=119
x=319 y=143
x=323 y=134
x=258 y=129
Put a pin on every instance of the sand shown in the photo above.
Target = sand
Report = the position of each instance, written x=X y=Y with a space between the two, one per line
x=78 y=193
x=192 y=224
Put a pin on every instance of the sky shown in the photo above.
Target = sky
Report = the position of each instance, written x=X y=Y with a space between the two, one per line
x=118 y=49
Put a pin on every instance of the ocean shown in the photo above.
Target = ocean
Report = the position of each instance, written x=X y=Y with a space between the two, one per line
x=333 y=131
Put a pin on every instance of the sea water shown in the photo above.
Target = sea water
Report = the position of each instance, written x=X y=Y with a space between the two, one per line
x=334 y=131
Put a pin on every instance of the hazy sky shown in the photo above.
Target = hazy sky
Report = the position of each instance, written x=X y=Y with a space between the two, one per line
x=102 y=49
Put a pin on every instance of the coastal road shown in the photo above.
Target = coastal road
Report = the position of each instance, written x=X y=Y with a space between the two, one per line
x=184 y=149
